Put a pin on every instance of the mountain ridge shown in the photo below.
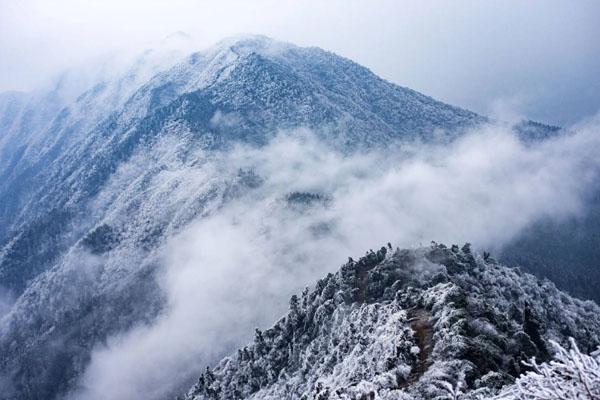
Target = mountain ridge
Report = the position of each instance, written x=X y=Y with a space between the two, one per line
x=76 y=166
x=405 y=324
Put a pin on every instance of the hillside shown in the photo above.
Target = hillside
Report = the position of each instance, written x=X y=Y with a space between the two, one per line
x=406 y=324
x=244 y=90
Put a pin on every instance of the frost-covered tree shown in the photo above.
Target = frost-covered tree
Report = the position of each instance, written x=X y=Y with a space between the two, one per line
x=571 y=375
x=434 y=323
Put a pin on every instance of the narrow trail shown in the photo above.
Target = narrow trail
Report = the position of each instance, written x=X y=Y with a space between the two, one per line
x=419 y=319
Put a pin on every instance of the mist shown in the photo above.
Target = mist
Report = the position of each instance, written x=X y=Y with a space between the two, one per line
x=232 y=271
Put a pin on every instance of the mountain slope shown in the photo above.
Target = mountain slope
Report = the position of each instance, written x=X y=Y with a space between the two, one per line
x=408 y=324
x=241 y=90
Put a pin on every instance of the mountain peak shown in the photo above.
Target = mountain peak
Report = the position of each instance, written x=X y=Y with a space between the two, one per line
x=178 y=35
x=245 y=44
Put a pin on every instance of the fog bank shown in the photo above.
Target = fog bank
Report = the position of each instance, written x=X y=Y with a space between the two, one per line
x=234 y=270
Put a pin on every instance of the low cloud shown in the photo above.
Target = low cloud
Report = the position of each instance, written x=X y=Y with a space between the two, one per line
x=234 y=270
x=223 y=120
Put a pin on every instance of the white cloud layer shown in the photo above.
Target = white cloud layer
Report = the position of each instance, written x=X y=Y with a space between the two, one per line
x=225 y=274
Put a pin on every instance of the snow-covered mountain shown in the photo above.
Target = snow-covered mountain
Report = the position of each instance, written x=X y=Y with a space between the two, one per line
x=55 y=160
x=94 y=184
x=430 y=323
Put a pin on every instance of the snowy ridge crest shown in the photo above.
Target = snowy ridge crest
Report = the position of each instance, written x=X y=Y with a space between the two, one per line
x=406 y=324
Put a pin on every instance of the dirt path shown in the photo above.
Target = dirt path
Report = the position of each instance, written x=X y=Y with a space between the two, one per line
x=420 y=322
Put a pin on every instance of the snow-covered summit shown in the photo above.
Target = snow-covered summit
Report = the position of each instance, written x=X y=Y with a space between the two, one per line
x=251 y=43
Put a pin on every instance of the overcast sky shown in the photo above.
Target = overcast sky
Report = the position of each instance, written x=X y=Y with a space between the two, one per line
x=539 y=59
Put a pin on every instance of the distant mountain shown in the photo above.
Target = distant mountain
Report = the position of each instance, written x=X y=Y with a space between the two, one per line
x=94 y=181
x=243 y=90
x=57 y=155
x=430 y=323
